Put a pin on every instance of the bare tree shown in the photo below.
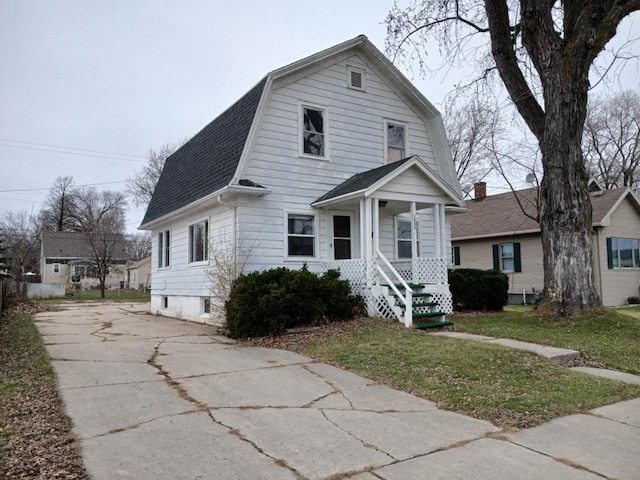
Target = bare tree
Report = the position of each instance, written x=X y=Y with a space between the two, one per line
x=138 y=245
x=472 y=128
x=5 y=261
x=612 y=139
x=143 y=183
x=22 y=242
x=57 y=213
x=543 y=53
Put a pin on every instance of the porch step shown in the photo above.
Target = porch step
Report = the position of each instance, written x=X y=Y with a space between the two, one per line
x=400 y=286
x=424 y=326
x=428 y=315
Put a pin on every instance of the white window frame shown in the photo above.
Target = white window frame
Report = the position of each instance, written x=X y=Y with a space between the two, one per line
x=56 y=268
x=164 y=249
x=502 y=257
x=204 y=302
x=316 y=228
x=191 y=244
x=361 y=72
x=325 y=133
x=396 y=221
x=387 y=123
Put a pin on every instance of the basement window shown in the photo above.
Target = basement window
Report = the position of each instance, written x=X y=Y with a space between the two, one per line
x=164 y=303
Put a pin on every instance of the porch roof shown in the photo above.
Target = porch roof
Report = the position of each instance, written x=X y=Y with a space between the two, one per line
x=364 y=184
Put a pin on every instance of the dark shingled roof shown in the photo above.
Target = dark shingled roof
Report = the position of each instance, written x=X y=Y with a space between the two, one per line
x=501 y=214
x=362 y=180
x=208 y=161
x=76 y=245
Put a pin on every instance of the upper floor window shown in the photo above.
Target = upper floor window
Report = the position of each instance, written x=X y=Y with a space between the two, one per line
x=506 y=257
x=623 y=252
x=199 y=242
x=314 y=139
x=164 y=247
x=301 y=235
x=396 y=142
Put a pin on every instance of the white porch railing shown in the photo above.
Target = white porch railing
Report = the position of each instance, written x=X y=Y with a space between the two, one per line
x=426 y=270
x=407 y=300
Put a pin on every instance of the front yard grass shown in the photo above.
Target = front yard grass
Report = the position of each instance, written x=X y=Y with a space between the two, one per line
x=111 y=295
x=605 y=338
x=35 y=434
x=510 y=388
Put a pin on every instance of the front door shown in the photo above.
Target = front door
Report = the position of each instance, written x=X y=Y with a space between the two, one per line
x=342 y=244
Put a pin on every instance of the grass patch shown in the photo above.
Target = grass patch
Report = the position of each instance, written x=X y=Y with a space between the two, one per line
x=35 y=434
x=510 y=388
x=606 y=338
x=111 y=295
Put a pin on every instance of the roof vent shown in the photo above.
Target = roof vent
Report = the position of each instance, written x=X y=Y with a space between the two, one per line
x=355 y=78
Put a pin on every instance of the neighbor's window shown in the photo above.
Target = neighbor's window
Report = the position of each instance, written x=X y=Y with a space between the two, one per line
x=56 y=268
x=403 y=238
x=506 y=257
x=396 y=141
x=313 y=131
x=623 y=253
x=164 y=245
x=199 y=242
x=455 y=255
x=301 y=235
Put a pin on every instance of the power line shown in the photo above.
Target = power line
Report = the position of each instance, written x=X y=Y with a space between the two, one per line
x=73 y=153
x=48 y=188
x=71 y=148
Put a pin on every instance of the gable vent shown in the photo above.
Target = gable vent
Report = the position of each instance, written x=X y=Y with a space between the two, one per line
x=356 y=79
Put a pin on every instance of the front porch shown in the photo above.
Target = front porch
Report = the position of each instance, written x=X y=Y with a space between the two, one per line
x=401 y=212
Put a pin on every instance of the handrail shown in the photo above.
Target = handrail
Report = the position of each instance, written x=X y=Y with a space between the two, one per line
x=408 y=302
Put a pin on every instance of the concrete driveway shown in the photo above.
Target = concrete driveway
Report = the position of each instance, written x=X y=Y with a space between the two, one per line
x=159 y=398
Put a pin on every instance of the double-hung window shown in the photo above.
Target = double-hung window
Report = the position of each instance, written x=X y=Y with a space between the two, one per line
x=314 y=131
x=164 y=248
x=506 y=257
x=623 y=252
x=56 y=268
x=396 y=141
x=403 y=238
x=301 y=235
x=199 y=242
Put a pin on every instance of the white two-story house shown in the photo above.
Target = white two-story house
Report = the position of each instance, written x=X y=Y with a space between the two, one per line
x=334 y=161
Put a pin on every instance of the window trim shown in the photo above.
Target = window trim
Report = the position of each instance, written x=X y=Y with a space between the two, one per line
x=203 y=306
x=191 y=239
x=57 y=267
x=498 y=259
x=396 y=221
x=164 y=250
x=396 y=123
x=325 y=127
x=316 y=228
x=617 y=265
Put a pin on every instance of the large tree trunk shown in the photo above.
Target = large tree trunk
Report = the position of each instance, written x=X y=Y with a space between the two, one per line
x=565 y=217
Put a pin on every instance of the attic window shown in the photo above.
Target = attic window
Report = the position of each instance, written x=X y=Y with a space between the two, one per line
x=355 y=78
x=314 y=129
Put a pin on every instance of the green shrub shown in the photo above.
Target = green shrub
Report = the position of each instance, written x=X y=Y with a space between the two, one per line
x=473 y=289
x=269 y=302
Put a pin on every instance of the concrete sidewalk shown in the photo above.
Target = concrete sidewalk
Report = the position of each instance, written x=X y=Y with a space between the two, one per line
x=157 y=398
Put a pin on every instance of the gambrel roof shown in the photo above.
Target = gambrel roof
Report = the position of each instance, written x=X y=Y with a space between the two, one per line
x=213 y=161
x=500 y=215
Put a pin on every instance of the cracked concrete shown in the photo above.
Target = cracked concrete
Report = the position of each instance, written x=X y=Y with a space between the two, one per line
x=158 y=398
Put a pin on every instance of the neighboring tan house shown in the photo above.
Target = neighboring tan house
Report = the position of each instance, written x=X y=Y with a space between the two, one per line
x=334 y=161
x=139 y=274
x=495 y=233
x=68 y=258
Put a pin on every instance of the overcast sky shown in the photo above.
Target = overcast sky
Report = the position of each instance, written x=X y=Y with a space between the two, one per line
x=107 y=80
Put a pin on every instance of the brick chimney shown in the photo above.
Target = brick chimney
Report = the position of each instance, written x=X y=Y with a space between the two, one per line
x=479 y=190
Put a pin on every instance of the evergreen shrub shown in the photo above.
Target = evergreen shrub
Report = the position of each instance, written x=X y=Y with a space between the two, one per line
x=473 y=289
x=269 y=302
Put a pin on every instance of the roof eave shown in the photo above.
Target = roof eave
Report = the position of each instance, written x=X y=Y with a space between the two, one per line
x=495 y=235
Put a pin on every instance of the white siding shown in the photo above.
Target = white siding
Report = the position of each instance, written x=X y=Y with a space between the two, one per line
x=356 y=137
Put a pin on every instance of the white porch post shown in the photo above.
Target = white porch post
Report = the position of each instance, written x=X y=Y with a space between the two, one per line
x=443 y=232
x=376 y=226
x=436 y=231
x=367 y=250
x=414 y=243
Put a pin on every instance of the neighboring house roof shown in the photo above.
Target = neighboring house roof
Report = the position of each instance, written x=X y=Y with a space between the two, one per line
x=76 y=245
x=214 y=158
x=499 y=215
x=139 y=263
